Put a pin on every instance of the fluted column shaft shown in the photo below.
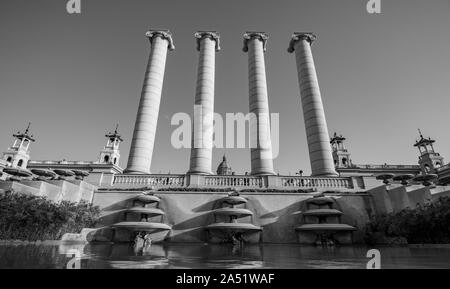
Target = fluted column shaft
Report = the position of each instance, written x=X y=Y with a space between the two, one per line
x=261 y=151
x=313 y=112
x=141 y=151
x=203 y=128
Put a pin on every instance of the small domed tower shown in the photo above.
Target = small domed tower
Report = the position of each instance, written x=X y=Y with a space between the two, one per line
x=429 y=160
x=341 y=156
x=18 y=154
x=110 y=154
x=223 y=168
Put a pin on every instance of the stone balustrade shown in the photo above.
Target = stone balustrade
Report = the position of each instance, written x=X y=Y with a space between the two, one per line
x=373 y=166
x=316 y=182
x=443 y=168
x=234 y=181
x=231 y=181
x=150 y=180
x=63 y=162
x=443 y=172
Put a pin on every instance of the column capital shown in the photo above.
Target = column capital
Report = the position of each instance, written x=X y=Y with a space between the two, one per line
x=255 y=35
x=213 y=35
x=297 y=36
x=164 y=34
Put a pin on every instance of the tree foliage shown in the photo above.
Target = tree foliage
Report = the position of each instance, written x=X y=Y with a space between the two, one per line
x=29 y=217
x=429 y=223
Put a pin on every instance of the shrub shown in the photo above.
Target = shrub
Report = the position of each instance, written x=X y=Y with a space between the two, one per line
x=429 y=223
x=29 y=217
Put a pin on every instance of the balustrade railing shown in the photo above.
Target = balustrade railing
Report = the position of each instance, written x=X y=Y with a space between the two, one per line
x=150 y=180
x=288 y=182
x=233 y=181
x=314 y=182
x=61 y=163
x=385 y=166
x=443 y=168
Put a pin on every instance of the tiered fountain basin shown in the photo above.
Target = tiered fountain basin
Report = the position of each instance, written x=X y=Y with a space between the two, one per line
x=142 y=226
x=141 y=218
x=323 y=222
x=238 y=227
x=234 y=200
x=320 y=215
x=226 y=223
x=323 y=228
x=321 y=201
x=323 y=212
x=221 y=232
x=147 y=199
x=233 y=212
x=150 y=212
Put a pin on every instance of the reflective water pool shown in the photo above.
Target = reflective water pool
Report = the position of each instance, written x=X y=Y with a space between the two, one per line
x=54 y=255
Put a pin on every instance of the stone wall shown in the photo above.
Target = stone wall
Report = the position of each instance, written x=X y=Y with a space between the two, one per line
x=394 y=198
x=54 y=190
x=277 y=213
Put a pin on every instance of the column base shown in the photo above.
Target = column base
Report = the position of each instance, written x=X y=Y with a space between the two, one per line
x=136 y=172
x=326 y=175
x=266 y=173
x=199 y=173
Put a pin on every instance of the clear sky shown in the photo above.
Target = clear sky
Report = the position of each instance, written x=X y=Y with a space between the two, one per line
x=75 y=76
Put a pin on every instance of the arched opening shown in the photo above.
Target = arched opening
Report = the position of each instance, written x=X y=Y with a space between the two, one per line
x=20 y=163
x=344 y=161
x=9 y=159
x=427 y=168
x=106 y=159
x=438 y=164
x=115 y=161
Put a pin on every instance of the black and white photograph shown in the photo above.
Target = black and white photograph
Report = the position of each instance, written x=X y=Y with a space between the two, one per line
x=173 y=135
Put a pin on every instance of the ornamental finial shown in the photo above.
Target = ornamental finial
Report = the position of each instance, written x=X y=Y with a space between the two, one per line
x=25 y=134
x=28 y=128
x=115 y=135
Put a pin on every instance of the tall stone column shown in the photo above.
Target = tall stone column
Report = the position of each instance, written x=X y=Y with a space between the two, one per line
x=261 y=146
x=313 y=113
x=208 y=42
x=141 y=151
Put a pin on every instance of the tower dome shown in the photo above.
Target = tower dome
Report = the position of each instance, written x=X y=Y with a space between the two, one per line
x=224 y=168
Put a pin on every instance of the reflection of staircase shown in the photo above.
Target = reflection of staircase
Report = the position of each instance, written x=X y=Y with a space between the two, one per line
x=226 y=228
x=322 y=224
